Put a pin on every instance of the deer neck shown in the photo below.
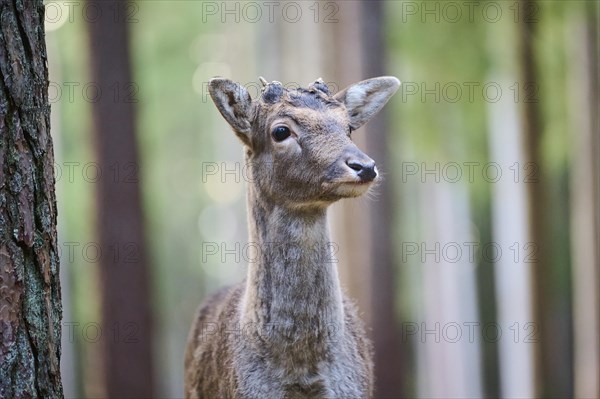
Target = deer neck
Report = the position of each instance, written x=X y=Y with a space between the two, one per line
x=292 y=288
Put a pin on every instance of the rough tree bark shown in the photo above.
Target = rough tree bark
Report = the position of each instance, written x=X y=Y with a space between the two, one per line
x=30 y=307
x=124 y=270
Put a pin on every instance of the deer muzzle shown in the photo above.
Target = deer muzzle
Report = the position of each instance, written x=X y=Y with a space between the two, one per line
x=360 y=165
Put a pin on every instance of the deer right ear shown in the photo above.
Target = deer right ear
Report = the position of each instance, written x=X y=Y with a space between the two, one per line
x=365 y=99
x=234 y=103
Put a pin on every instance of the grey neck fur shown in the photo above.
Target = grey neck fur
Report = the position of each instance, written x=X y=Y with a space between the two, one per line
x=292 y=290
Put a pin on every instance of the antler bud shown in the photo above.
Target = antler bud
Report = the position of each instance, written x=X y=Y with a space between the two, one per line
x=272 y=92
x=320 y=86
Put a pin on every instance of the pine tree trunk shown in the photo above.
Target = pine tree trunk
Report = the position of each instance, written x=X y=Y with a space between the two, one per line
x=124 y=269
x=30 y=307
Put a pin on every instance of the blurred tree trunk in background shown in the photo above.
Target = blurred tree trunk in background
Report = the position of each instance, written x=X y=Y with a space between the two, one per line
x=512 y=276
x=124 y=270
x=532 y=144
x=584 y=198
x=364 y=227
x=386 y=334
x=30 y=307
x=550 y=352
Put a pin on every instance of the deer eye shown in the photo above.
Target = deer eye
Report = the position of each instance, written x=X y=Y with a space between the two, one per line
x=281 y=133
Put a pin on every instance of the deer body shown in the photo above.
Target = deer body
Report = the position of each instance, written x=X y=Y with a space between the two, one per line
x=288 y=331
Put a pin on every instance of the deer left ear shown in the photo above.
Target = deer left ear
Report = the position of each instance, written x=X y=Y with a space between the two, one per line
x=365 y=99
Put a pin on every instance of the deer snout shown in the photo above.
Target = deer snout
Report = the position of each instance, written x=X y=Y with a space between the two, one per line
x=362 y=165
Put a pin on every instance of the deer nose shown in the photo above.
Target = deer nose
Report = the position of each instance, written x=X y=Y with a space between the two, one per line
x=364 y=169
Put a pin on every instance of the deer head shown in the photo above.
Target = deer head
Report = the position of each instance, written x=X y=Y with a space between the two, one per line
x=298 y=142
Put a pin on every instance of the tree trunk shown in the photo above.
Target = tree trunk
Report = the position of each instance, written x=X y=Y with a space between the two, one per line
x=584 y=199
x=536 y=207
x=387 y=344
x=124 y=270
x=30 y=307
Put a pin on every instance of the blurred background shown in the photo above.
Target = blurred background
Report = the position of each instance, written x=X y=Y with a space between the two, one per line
x=475 y=264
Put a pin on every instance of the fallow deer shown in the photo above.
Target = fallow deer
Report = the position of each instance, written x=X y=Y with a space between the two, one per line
x=288 y=331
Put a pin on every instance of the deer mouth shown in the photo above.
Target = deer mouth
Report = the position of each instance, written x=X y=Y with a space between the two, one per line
x=360 y=182
x=349 y=188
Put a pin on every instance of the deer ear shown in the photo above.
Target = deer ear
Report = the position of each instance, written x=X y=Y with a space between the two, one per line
x=365 y=99
x=234 y=103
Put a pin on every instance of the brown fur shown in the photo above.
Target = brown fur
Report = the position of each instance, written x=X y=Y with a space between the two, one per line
x=287 y=331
